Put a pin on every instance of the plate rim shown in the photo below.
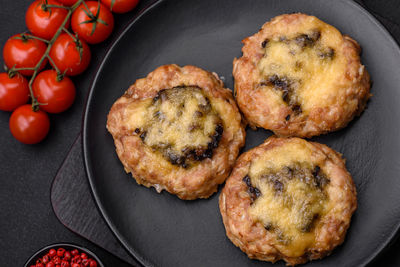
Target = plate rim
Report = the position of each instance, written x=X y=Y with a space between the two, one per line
x=85 y=150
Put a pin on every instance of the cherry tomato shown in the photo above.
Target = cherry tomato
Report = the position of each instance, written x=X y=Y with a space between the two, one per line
x=97 y=27
x=67 y=2
x=57 y=94
x=44 y=21
x=22 y=52
x=65 y=54
x=28 y=126
x=14 y=91
x=120 y=6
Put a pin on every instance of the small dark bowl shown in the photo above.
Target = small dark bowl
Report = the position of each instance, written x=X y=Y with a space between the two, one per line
x=68 y=246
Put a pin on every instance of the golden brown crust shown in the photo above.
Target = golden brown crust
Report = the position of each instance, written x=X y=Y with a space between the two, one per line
x=344 y=97
x=253 y=238
x=152 y=169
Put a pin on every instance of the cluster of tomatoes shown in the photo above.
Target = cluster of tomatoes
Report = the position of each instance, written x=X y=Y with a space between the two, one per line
x=50 y=41
x=64 y=258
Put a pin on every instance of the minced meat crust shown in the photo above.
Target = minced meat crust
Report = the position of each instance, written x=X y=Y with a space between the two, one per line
x=299 y=76
x=288 y=199
x=178 y=129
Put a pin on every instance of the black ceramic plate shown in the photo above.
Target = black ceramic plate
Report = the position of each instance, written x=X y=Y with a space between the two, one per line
x=160 y=229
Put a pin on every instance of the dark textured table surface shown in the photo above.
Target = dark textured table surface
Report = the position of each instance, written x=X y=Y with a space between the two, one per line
x=27 y=221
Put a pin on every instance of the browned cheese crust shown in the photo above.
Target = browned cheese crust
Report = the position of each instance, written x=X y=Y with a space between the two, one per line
x=178 y=129
x=299 y=76
x=288 y=199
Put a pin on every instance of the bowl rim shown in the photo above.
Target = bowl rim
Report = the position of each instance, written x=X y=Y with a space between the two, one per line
x=31 y=259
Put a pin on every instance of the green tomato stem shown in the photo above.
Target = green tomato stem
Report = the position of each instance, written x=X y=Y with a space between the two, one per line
x=37 y=38
x=57 y=6
x=53 y=64
x=18 y=69
x=70 y=34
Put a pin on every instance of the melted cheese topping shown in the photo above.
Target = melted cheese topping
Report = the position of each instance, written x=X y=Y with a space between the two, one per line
x=279 y=157
x=180 y=122
x=308 y=61
x=291 y=200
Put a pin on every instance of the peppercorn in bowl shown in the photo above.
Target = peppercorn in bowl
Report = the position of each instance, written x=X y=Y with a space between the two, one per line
x=65 y=255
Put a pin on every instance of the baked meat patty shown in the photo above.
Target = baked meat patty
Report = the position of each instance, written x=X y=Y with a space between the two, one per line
x=178 y=129
x=299 y=76
x=288 y=199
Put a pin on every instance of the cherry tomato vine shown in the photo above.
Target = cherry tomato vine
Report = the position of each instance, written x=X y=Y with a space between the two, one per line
x=50 y=40
x=35 y=103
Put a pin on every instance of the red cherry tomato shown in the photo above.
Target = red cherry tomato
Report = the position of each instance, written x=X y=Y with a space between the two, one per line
x=22 y=52
x=97 y=27
x=120 y=6
x=58 y=95
x=44 y=21
x=67 y=2
x=14 y=91
x=70 y=56
x=28 y=126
